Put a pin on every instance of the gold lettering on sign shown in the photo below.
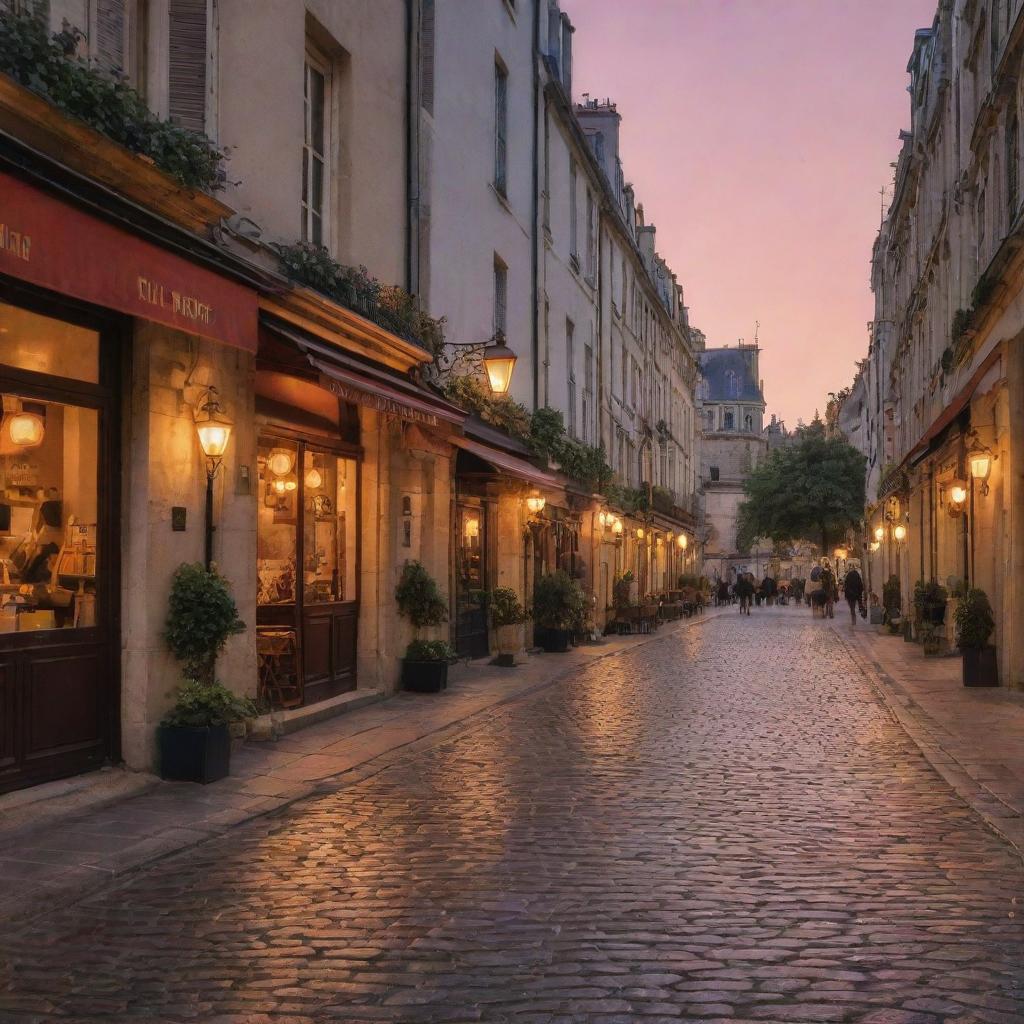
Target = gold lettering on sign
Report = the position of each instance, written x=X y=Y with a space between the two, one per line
x=187 y=306
x=379 y=402
x=15 y=243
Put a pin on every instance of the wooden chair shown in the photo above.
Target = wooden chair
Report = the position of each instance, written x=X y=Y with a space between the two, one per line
x=280 y=673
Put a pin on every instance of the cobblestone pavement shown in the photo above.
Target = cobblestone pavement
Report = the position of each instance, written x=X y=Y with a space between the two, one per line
x=725 y=824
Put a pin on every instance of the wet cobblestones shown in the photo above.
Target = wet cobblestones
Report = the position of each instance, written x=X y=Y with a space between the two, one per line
x=725 y=824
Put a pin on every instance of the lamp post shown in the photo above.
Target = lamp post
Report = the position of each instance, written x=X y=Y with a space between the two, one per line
x=214 y=430
x=497 y=358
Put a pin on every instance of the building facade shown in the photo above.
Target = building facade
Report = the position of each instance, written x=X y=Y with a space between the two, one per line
x=943 y=383
x=733 y=442
x=390 y=204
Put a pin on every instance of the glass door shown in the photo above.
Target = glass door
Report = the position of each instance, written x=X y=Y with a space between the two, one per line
x=471 y=582
x=308 y=571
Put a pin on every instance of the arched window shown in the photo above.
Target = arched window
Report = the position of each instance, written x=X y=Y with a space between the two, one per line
x=748 y=423
x=730 y=421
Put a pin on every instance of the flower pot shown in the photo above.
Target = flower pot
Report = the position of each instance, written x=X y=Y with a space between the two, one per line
x=424 y=676
x=908 y=631
x=509 y=641
x=980 y=666
x=194 y=753
x=554 y=641
x=875 y=616
x=935 y=612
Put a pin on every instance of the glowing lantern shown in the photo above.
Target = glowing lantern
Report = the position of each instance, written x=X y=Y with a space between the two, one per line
x=981 y=465
x=682 y=541
x=26 y=429
x=639 y=534
x=899 y=533
x=535 y=504
x=617 y=527
x=278 y=487
x=958 y=493
x=314 y=479
x=879 y=533
x=499 y=362
x=279 y=463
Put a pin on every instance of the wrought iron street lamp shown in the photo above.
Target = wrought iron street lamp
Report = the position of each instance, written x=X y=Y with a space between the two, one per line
x=214 y=430
x=499 y=362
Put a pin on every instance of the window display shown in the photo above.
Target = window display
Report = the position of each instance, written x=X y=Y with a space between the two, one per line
x=329 y=485
x=277 y=520
x=309 y=494
x=48 y=515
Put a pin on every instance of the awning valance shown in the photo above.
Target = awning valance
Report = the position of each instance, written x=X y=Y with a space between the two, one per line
x=362 y=384
x=507 y=463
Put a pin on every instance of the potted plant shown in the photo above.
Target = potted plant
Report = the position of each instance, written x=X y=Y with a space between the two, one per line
x=892 y=602
x=876 y=613
x=931 y=638
x=425 y=664
x=194 y=736
x=507 y=617
x=558 y=609
x=974 y=626
x=622 y=591
x=930 y=602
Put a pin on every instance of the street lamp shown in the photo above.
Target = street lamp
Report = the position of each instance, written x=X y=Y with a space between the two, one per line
x=535 y=503
x=879 y=534
x=499 y=362
x=899 y=533
x=214 y=430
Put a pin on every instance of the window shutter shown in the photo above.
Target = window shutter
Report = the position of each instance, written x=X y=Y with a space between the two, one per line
x=109 y=46
x=187 y=65
x=427 y=57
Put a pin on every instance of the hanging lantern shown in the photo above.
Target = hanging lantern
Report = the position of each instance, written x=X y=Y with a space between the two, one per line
x=617 y=527
x=535 y=503
x=499 y=362
x=981 y=464
x=958 y=492
x=841 y=552
x=879 y=534
x=291 y=485
x=314 y=479
x=26 y=429
x=279 y=463
x=278 y=487
x=682 y=541
x=899 y=533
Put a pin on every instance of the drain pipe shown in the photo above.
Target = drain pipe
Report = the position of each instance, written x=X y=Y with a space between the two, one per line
x=535 y=256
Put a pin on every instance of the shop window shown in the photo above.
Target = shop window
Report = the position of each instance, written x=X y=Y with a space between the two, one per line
x=317 y=504
x=48 y=513
x=44 y=345
x=329 y=528
x=277 y=521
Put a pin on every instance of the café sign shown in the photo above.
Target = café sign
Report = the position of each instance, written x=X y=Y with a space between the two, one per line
x=55 y=245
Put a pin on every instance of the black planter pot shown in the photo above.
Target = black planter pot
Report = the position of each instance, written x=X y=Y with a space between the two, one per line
x=908 y=631
x=194 y=753
x=424 y=676
x=554 y=641
x=935 y=613
x=981 y=667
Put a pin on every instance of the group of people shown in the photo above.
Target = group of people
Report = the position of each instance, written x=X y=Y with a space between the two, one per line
x=821 y=591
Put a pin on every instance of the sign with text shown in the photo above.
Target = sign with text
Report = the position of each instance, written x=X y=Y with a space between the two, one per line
x=55 y=245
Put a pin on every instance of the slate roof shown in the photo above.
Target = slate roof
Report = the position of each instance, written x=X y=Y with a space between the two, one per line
x=730 y=375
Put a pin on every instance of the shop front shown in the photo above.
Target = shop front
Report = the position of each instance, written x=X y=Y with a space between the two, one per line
x=78 y=293
x=324 y=477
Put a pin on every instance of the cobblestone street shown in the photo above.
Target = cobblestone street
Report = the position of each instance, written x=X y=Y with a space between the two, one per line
x=723 y=824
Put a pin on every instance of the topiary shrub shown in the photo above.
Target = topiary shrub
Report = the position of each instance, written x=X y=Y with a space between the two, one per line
x=201 y=616
x=558 y=602
x=505 y=607
x=419 y=599
x=974 y=620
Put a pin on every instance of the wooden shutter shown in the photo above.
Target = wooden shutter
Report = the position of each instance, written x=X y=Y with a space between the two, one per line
x=427 y=56
x=187 y=64
x=109 y=43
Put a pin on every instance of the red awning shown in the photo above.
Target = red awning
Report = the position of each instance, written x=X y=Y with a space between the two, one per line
x=508 y=463
x=55 y=245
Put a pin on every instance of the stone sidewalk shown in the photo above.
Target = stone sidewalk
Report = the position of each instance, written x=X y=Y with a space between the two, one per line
x=973 y=737
x=114 y=822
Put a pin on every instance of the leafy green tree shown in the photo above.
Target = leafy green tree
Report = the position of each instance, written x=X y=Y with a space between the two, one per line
x=811 y=489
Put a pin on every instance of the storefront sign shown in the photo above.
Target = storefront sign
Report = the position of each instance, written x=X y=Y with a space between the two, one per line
x=380 y=402
x=55 y=245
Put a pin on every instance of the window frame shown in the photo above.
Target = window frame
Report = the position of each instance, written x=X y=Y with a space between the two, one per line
x=501 y=82
x=315 y=62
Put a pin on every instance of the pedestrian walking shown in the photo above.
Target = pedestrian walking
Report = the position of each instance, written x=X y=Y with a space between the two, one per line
x=745 y=591
x=853 y=590
x=830 y=591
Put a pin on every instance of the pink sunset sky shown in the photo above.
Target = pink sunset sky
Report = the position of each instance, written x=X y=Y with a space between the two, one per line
x=757 y=134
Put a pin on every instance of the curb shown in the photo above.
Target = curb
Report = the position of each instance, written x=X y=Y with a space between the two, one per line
x=81 y=889
x=972 y=792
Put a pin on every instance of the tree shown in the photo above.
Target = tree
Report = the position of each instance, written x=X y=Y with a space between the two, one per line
x=813 y=488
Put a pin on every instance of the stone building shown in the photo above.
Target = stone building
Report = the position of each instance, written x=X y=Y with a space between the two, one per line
x=288 y=292
x=944 y=381
x=733 y=442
